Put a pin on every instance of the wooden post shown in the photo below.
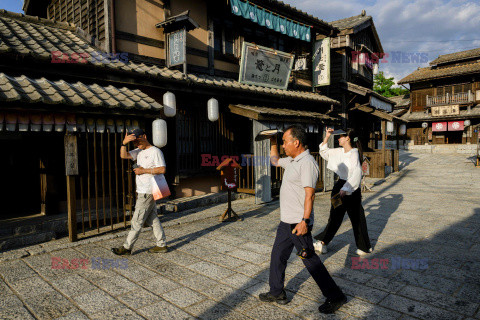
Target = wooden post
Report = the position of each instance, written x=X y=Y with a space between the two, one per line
x=397 y=131
x=72 y=212
x=384 y=138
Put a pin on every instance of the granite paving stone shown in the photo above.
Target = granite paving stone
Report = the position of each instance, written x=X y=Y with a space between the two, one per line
x=417 y=309
x=50 y=305
x=138 y=298
x=217 y=270
x=159 y=285
x=116 y=285
x=183 y=297
x=95 y=301
x=72 y=285
x=78 y=315
x=116 y=312
x=454 y=304
x=164 y=310
x=211 y=270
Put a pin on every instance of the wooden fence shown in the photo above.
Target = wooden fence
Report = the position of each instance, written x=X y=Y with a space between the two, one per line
x=378 y=161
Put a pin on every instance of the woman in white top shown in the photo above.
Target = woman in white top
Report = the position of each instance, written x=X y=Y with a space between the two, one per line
x=346 y=163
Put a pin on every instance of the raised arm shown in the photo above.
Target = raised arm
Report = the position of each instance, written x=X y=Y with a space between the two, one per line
x=123 y=149
x=324 y=149
x=274 y=155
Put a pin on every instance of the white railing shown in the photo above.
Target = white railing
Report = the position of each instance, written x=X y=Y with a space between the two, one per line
x=457 y=98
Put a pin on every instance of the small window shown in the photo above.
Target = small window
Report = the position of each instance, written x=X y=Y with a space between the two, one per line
x=217 y=38
x=229 y=42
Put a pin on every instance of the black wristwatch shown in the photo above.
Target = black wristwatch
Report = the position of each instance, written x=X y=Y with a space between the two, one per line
x=307 y=221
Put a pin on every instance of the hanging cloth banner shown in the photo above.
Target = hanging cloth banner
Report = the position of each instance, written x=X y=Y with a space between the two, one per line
x=270 y=20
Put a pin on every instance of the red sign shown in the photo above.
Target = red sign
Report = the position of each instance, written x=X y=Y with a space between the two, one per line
x=229 y=173
x=455 y=125
x=439 y=126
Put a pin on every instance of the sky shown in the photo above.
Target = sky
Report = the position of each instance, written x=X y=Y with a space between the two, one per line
x=426 y=28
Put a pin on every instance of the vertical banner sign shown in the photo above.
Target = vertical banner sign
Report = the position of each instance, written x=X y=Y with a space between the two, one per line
x=176 y=48
x=321 y=63
x=265 y=67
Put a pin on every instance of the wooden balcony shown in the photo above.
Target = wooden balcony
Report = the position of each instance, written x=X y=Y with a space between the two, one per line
x=457 y=98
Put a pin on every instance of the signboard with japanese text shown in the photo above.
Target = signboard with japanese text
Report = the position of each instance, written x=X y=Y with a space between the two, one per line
x=265 y=67
x=176 y=48
x=321 y=63
x=445 y=111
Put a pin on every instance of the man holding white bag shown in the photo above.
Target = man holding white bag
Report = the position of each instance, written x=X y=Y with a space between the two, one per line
x=150 y=162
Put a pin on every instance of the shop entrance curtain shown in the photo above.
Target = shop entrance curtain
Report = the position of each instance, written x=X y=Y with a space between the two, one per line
x=270 y=20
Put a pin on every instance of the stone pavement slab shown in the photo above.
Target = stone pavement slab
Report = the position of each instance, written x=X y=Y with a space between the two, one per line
x=429 y=211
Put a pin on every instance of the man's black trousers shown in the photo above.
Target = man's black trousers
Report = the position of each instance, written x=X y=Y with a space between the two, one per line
x=282 y=248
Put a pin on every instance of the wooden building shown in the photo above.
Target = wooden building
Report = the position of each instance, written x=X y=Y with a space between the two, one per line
x=99 y=69
x=445 y=99
x=356 y=52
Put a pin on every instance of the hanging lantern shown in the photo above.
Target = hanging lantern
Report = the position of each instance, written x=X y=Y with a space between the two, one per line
x=424 y=125
x=403 y=129
x=389 y=126
x=375 y=68
x=466 y=123
x=169 y=104
x=212 y=109
x=159 y=133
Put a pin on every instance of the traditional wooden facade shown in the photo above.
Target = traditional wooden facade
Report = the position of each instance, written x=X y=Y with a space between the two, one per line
x=445 y=99
x=118 y=93
x=356 y=52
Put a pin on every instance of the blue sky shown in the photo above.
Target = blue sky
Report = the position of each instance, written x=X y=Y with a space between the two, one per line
x=431 y=27
x=11 y=5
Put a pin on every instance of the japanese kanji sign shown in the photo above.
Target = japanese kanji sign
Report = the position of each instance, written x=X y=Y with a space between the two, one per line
x=265 y=67
x=321 y=63
x=176 y=50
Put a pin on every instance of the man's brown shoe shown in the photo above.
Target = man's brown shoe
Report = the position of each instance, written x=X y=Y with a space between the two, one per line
x=157 y=249
x=121 y=251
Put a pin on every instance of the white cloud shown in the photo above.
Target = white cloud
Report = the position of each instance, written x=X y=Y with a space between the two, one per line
x=409 y=26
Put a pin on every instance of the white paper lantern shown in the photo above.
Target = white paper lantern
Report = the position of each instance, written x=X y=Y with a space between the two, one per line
x=466 y=123
x=169 y=104
x=159 y=133
x=375 y=68
x=424 y=125
x=212 y=109
x=403 y=129
x=389 y=126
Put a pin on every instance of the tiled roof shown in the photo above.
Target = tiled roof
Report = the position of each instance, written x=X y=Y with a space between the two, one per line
x=422 y=116
x=365 y=91
x=428 y=73
x=402 y=101
x=350 y=22
x=26 y=90
x=456 y=56
x=265 y=111
x=36 y=37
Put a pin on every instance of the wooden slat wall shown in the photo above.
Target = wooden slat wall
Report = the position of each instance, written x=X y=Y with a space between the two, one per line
x=86 y=14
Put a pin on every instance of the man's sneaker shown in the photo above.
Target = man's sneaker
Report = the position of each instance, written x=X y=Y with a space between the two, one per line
x=332 y=305
x=320 y=247
x=158 y=249
x=362 y=253
x=121 y=251
x=268 y=297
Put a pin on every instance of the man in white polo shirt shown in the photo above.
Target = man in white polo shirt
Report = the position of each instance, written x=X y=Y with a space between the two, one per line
x=150 y=161
x=297 y=194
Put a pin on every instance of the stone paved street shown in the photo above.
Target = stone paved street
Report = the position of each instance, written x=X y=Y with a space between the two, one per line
x=430 y=210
